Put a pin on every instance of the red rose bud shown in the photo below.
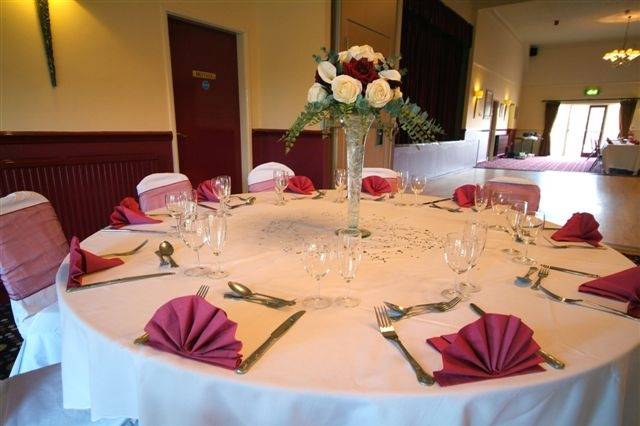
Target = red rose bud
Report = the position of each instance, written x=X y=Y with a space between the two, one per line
x=362 y=70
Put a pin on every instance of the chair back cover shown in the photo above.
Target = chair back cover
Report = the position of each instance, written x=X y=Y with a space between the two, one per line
x=152 y=189
x=520 y=188
x=387 y=174
x=261 y=177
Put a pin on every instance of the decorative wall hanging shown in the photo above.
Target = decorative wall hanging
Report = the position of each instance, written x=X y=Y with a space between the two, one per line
x=45 y=27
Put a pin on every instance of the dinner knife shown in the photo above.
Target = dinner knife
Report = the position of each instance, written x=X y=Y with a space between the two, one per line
x=277 y=333
x=269 y=303
x=436 y=201
x=548 y=358
x=573 y=271
x=147 y=231
x=119 y=280
x=208 y=207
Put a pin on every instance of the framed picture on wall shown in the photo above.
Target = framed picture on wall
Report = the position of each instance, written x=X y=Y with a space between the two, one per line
x=488 y=103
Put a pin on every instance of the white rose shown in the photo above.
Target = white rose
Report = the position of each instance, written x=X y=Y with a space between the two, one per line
x=345 y=89
x=378 y=93
x=326 y=71
x=344 y=56
x=375 y=57
x=317 y=93
x=390 y=75
x=397 y=94
x=358 y=52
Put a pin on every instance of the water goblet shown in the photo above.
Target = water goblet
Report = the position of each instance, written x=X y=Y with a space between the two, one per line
x=529 y=227
x=458 y=252
x=500 y=203
x=402 y=177
x=418 y=183
x=222 y=189
x=174 y=202
x=514 y=214
x=481 y=199
x=281 y=180
x=476 y=232
x=216 y=239
x=340 y=182
x=193 y=231
x=349 y=254
x=316 y=258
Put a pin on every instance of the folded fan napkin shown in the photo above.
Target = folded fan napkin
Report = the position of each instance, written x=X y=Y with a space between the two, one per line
x=494 y=346
x=465 y=195
x=581 y=227
x=375 y=185
x=205 y=191
x=623 y=285
x=128 y=213
x=300 y=185
x=191 y=327
x=83 y=262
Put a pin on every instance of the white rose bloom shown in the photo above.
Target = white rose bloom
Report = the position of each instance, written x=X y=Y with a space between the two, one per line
x=317 y=93
x=397 y=94
x=326 y=71
x=358 y=52
x=346 y=89
x=390 y=75
x=344 y=56
x=374 y=57
x=378 y=93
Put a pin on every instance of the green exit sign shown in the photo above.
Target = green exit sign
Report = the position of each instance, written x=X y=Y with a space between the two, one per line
x=591 y=91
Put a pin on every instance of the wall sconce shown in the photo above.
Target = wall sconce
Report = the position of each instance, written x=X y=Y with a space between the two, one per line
x=478 y=94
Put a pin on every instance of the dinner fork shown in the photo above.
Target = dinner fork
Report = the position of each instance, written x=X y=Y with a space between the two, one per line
x=543 y=272
x=568 y=246
x=398 y=312
x=389 y=333
x=585 y=304
x=202 y=292
x=127 y=253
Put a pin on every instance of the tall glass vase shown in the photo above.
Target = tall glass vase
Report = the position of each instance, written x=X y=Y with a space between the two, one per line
x=356 y=127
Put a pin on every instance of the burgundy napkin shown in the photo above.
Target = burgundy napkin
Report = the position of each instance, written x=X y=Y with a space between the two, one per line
x=623 y=285
x=128 y=213
x=300 y=185
x=375 y=185
x=465 y=195
x=84 y=262
x=494 y=346
x=581 y=227
x=191 y=327
x=205 y=191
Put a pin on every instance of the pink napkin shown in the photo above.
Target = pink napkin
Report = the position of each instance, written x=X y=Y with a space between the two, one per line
x=465 y=195
x=84 y=262
x=191 y=327
x=623 y=285
x=494 y=346
x=581 y=227
x=375 y=185
x=128 y=213
x=205 y=191
x=300 y=185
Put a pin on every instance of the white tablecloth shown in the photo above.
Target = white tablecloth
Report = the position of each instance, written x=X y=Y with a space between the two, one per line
x=333 y=366
x=621 y=156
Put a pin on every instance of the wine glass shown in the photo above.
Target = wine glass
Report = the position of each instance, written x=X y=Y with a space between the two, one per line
x=193 y=231
x=316 y=258
x=418 y=183
x=281 y=180
x=529 y=227
x=402 y=177
x=500 y=204
x=458 y=252
x=349 y=254
x=216 y=239
x=175 y=201
x=340 y=181
x=221 y=186
x=476 y=232
x=481 y=198
x=514 y=214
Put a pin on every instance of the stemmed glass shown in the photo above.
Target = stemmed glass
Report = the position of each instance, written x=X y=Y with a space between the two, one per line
x=476 y=232
x=222 y=189
x=281 y=180
x=340 y=181
x=402 y=177
x=349 y=255
x=193 y=230
x=216 y=238
x=514 y=214
x=175 y=202
x=481 y=198
x=458 y=252
x=418 y=183
x=316 y=258
x=500 y=204
x=529 y=227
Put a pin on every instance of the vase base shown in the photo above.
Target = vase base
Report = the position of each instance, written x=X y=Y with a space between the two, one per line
x=364 y=233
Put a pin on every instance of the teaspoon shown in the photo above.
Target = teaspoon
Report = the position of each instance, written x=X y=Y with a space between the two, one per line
x=525 y=280
x=166 y=249
x=245 y=291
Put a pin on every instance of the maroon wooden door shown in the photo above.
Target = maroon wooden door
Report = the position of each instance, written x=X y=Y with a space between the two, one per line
x=204 y=65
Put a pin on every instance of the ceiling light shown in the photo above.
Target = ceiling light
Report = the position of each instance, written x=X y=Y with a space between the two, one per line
x=625 y=55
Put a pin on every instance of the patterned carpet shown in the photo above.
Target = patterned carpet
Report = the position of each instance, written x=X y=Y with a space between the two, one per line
x=10 y=340
x=540 y=164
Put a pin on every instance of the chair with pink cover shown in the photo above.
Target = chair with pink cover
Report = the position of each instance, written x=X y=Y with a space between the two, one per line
x=152 y=189
x=261 y=177
x=32 y=247
x=387 y=174
x=520 y=189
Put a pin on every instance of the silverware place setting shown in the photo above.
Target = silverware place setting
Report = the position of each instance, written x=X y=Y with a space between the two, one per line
x=397 y=312
x=164 y=252
x=246 y=202
x=585 y=304
x=127 y=253
x=572 y=271
x=244 y=291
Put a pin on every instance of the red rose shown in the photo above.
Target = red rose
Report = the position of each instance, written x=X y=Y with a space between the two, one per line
x=361 y=69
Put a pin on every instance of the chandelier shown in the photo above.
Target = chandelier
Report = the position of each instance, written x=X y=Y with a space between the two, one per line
x=625 y=55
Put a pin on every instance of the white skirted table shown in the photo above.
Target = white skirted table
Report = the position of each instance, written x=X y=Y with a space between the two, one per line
x=333 y=366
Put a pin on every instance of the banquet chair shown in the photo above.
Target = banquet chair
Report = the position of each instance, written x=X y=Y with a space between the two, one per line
x=35 y=399
x=32 y=246
x=520 y=188
x=387 y=174
x=261 y=177
x=152 y=188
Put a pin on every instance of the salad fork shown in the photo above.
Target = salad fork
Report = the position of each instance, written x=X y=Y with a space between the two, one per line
x=398 y=312
x=585 y=304
x=127 y=253
x=389 y=333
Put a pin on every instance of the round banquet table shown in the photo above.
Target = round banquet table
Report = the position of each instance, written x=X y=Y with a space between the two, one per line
x=333 y=366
